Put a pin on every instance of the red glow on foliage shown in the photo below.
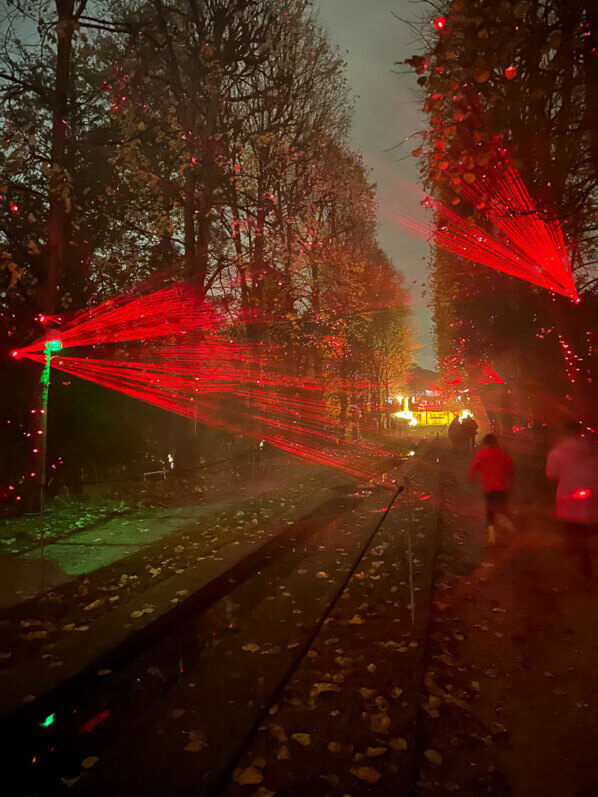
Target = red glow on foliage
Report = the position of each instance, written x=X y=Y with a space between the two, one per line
x=581 y=495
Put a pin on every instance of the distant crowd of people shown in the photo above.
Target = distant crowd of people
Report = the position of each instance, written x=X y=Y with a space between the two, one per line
x=462 y=433
x=572 y=464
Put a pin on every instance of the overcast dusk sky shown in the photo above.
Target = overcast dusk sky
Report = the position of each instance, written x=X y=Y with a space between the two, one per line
x=371 y=39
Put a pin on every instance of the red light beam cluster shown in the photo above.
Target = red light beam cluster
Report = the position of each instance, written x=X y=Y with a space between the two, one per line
x=182 y=356
x=502 y=195
x=523 y=242
x=170 y=311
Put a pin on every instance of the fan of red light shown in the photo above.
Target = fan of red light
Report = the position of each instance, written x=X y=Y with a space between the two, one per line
x=173 y=349
x=524 y=243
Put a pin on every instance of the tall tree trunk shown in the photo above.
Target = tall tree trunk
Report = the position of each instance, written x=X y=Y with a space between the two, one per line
x=59 y=179
x=189 y=223
x=590 y=58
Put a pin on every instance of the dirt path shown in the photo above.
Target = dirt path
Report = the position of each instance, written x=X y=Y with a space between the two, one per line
x=515 y=642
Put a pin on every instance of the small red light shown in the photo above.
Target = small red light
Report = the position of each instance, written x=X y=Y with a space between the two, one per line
x=511 y=72
x=15 y=353
x=439 y=23
x=581 y=495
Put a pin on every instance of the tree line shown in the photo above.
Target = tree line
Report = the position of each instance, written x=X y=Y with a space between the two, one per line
x=523 y=76
x=205 y=140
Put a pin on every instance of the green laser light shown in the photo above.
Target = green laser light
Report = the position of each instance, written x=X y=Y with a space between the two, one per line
x=50 y=720
x=52 y=346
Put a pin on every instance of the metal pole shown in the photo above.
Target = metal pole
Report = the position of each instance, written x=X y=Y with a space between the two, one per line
x=50 y=348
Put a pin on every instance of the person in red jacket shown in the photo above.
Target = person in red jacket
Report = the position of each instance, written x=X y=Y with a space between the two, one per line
x=495 y=471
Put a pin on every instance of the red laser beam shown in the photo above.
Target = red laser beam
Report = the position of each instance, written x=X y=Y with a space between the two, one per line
x=175 y=351
x=510 y=208
x=171 y=311
x=488 y=375
x=523 y=243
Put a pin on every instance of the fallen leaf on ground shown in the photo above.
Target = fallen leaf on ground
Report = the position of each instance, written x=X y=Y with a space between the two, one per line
x=278 y=732
x=196 y=742
x=303 y=739
x=433 y=757
x=357 y=619
x=178 y=712
x=375 y=752
x=380 y=723
x=367 y=694
x=334 y=747
x=249 y=776
x=283 y=753
x=88 y=762
x=398 y=744
x=318 y=688
x=250 y=647
x=321 y=574
x=369 y=774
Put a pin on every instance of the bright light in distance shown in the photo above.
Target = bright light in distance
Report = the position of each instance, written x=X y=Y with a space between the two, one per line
x=412 y=453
